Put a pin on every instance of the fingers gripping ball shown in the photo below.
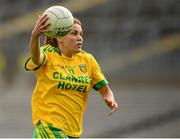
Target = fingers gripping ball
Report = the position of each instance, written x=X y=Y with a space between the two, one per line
x=61 y=20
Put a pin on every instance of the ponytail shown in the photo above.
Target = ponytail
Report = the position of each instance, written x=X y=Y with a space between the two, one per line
x=51 y=41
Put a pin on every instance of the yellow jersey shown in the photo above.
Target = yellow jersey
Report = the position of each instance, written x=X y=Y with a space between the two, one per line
x=62 y=88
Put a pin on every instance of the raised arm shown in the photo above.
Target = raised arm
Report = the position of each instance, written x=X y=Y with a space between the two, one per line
x=108 y=97
x=34 y=45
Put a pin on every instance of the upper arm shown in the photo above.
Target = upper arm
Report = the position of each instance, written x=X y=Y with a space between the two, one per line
x=98 y=78
x=44 y=56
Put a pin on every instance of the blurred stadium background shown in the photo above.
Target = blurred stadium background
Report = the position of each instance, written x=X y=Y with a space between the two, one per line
x=137 y=44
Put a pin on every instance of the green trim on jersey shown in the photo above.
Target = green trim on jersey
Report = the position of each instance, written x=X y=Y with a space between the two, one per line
x=58 y=50
x=36 y=68
x=50 y=48
x=100 y=84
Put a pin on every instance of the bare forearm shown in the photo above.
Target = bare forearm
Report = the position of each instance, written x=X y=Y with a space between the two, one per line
x=106 y=92
x=40 y=28
x=108 y=97
x=35 y=49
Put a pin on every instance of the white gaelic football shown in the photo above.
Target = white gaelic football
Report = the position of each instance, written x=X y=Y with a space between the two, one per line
x=61 y=20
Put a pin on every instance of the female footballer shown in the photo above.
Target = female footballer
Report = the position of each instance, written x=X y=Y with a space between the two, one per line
x=65 y=75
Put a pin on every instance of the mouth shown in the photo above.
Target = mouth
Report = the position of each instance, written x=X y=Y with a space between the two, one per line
x=79 y=45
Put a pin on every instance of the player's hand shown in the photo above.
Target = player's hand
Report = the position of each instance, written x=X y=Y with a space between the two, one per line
x=108 y=97
x=41 y=26
x=112 y=105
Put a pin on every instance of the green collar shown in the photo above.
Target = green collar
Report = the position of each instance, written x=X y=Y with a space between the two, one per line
x=58 y=50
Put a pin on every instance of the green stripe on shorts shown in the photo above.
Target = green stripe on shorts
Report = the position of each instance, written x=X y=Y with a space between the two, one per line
x=44 y=130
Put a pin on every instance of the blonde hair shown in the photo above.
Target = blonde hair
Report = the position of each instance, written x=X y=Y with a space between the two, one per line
x=77 y=21
x=53 y=41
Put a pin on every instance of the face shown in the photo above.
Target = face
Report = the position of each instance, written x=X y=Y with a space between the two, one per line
x=72 y=42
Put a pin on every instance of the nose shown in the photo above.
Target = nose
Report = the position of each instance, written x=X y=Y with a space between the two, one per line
x=79 y=38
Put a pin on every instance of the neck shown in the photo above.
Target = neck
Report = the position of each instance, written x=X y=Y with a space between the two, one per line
x=66 y=53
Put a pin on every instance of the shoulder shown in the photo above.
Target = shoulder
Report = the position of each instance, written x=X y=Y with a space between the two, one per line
x=48 y=48
x=88 y=57
x=85 y=54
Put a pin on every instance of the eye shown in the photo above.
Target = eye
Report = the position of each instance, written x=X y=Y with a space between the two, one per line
x=74 y=32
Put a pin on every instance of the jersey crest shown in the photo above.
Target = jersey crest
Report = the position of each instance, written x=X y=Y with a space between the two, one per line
x=83 y=68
